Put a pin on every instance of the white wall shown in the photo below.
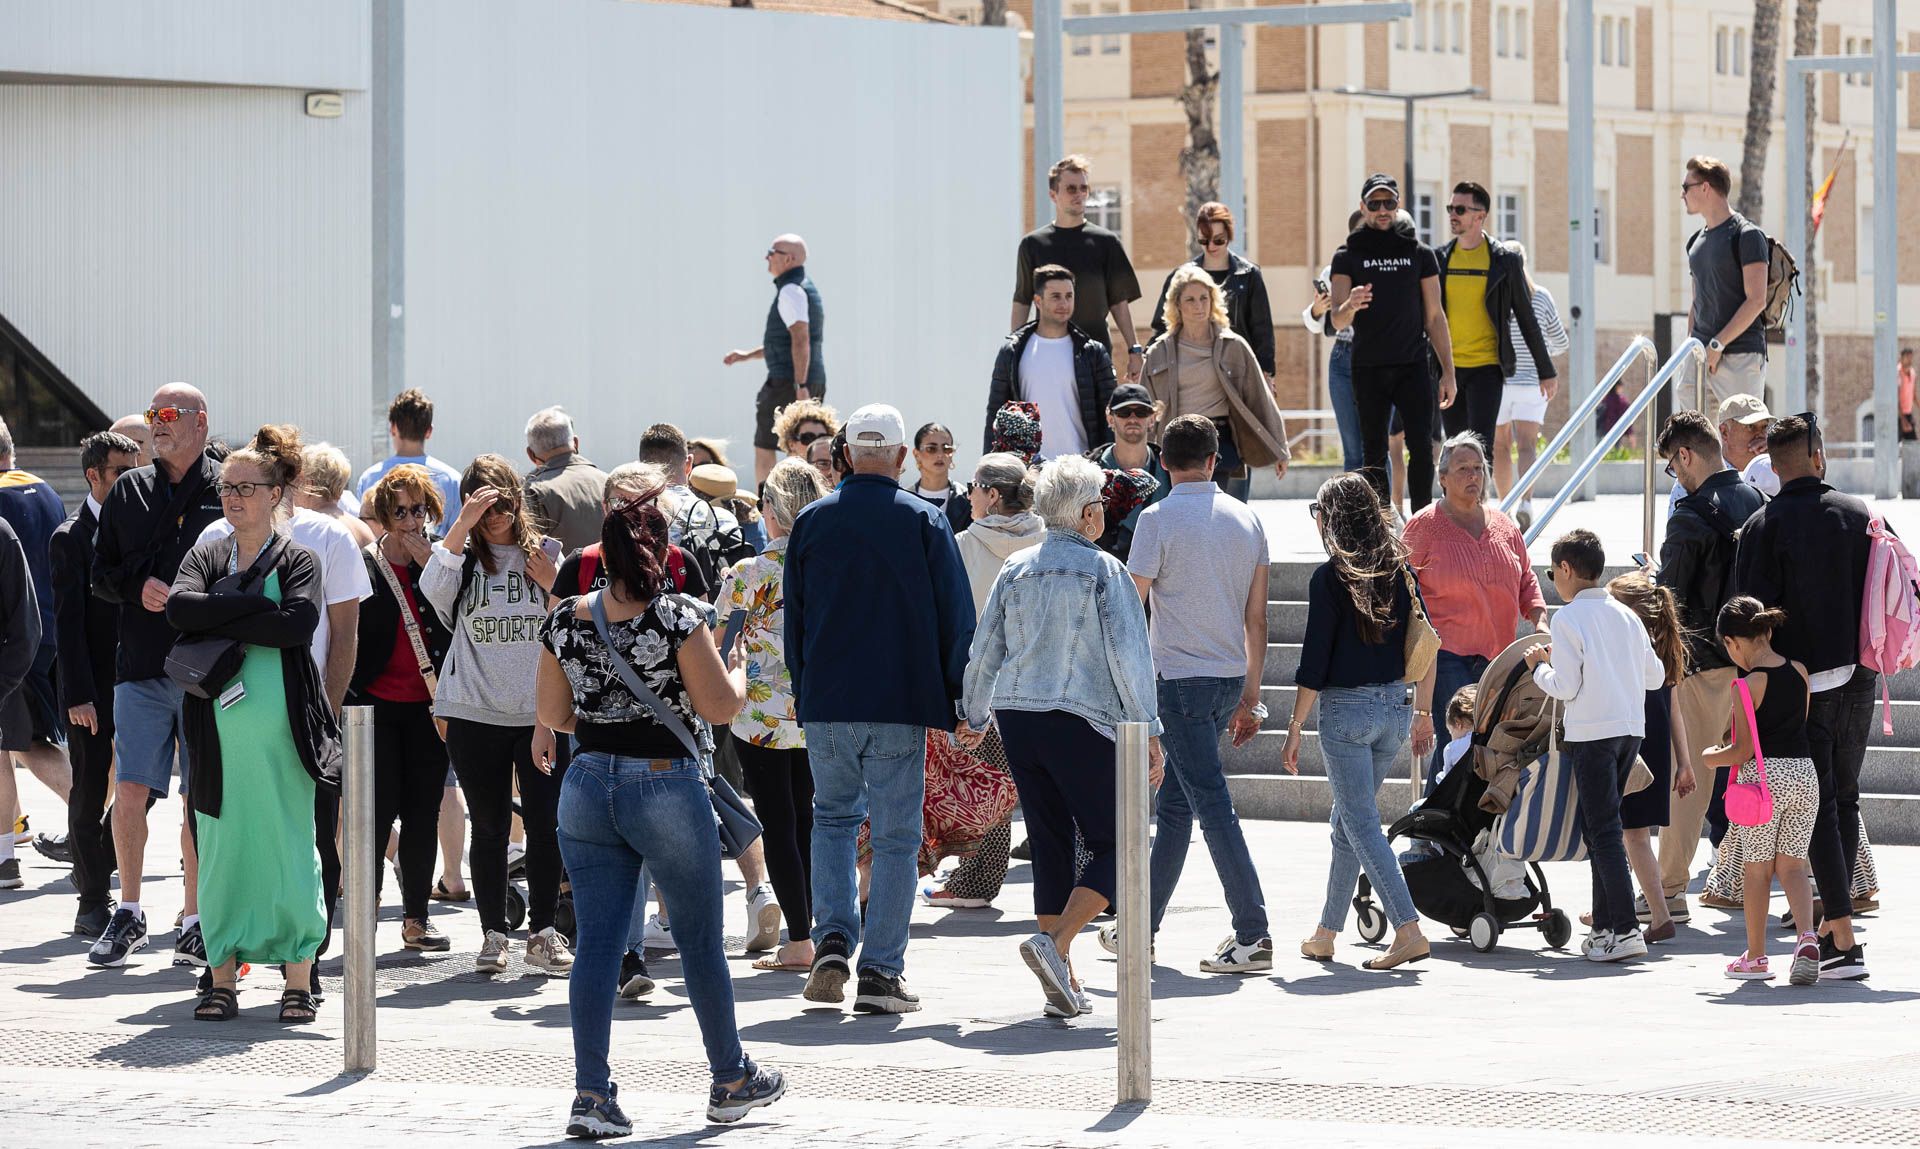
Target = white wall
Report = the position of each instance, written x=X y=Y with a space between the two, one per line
x=590 y=186
x=265 y=43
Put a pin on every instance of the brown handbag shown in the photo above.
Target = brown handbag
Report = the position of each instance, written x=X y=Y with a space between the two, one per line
x=1423 y=642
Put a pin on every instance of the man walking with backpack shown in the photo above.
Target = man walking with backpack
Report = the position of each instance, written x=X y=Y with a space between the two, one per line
x=1728 y=258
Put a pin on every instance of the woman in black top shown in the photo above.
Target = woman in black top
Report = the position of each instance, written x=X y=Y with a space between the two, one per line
x=1354 y=663
x=933 y=458
x=637 y=790
x=1248 y=311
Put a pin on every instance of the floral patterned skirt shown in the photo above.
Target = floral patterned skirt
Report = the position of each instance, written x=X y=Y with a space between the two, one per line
x=967 y=797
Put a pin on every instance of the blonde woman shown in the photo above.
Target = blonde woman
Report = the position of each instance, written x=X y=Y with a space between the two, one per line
x=799 y=424
x=1201 y=367
x=322 y=488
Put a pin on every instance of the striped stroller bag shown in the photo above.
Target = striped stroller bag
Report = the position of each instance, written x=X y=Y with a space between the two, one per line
x=1543 y=823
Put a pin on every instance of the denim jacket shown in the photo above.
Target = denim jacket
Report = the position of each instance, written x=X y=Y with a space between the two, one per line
x=1063 y=630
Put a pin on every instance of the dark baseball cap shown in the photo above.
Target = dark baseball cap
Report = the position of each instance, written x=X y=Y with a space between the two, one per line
x=1130 y=395
x=1375 y=182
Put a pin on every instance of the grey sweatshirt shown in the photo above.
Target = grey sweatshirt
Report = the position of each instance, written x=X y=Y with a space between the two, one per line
x=489 y=670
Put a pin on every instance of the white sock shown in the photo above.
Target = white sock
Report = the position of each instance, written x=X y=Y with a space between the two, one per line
x=188 y=922
x=134 y=909
x=6 y=844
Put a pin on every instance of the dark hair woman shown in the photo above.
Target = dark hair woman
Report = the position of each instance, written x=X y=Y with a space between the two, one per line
x=271 y=731
x=402 y=646
x=636 y=791
x=1354 y=663
x=933 y=459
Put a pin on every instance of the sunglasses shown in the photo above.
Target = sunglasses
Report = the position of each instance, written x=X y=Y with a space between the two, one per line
x=1461 y=209
x=809 y=438
x=1313 y=510
x=168 y=414
x=1383 y=204
x=1220 y=239
x=1688 y=185
x=1135 y=412
x=242 y=490
x=773 y=251
x=418 y=511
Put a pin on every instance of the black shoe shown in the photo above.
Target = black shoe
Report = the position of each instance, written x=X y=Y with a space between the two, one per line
x=634 y=981
x=1023 y=852
x=54 y=846
x=92 y=921
x=593 y=1120
x=124 y=934
x=190 y=949
x=1819 y=917
x=827 y=980
x=762 y=1087
x=1837 y=964
x=882 y=994
x=10 y=873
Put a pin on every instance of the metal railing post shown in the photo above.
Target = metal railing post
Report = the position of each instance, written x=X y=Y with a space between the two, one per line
x=1649 y=431
x=1577 y=416
x=357 y=867
x=1135 y=988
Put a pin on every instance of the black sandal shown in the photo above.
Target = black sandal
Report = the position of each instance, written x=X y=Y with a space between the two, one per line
x=217 y=1004
x=299 y=1000
x=442 y=894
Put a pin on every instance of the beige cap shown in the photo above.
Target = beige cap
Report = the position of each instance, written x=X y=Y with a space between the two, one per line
x=1746 y=409
x=714 y=481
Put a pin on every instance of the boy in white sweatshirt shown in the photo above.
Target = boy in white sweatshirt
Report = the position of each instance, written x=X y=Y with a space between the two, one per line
x=1600 y=664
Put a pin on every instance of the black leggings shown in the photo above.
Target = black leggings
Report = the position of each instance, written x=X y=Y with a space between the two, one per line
x=1063 y=769
x=781 y=782
x=487 y=759
x=1476 y=403
x=409 y=776
x=1377 y=393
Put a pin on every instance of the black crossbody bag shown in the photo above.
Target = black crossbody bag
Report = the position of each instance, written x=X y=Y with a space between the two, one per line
x=203 y=664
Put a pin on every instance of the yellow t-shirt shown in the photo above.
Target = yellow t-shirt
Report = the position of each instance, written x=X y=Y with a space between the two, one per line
x=1472 y=331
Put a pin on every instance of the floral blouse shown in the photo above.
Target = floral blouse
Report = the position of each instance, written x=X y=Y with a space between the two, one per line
x=754 y=586
x=649 y=641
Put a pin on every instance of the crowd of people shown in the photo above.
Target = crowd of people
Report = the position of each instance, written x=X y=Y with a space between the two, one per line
x=573 y=668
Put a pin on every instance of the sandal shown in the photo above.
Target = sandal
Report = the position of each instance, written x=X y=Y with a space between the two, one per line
x=442 y=894
x=1744 y=968
x=295 y=1002
x=217 y=1004
x=771 y=964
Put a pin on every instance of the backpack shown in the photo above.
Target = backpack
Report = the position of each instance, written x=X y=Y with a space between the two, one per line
x=1783 y=278
x=590 y=567
x=1889 y=612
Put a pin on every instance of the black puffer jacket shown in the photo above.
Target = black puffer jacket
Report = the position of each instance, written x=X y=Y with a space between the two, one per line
x=1092 y=370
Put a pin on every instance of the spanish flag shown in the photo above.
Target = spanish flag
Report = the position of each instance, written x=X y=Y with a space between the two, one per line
x=1819 y=211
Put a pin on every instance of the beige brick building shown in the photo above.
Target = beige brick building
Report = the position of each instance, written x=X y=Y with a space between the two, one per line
x=1671 y=80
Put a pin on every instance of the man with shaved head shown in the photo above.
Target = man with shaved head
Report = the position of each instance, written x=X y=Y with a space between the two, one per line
x=150 y=519
x=791 y=347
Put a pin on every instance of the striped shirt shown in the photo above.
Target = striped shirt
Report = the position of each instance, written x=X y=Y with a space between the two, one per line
x=1551 y=331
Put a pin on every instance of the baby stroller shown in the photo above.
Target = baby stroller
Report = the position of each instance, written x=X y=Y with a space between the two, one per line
x=1451 y=819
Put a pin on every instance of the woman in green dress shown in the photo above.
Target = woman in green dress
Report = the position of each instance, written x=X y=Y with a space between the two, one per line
x=259 y=866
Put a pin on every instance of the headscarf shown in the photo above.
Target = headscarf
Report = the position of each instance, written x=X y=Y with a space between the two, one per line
x=1016 y=429
x=1123 y=491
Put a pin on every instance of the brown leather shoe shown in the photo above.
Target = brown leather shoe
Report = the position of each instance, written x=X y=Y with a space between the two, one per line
x=1317 y=949
x=1400 y=955
x=1661 y=933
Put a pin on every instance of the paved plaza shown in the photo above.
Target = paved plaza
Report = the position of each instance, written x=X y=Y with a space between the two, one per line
x=1519 y=1047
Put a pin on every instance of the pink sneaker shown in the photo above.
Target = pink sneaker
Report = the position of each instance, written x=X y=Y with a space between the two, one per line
x=1744 y=968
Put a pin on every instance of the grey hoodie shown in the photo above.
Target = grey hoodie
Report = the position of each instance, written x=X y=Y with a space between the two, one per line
x=490 y=666
x=986 y=545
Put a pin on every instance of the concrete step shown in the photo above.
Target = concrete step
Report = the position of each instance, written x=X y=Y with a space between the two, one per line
x=1287 y=620
x=1287 y=580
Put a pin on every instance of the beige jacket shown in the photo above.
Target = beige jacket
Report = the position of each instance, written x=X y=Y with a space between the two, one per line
x=1258 y=429
x=1515 y=731
x=988 y=543
x=564 y=496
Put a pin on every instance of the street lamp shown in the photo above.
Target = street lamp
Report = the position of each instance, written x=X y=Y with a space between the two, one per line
x=1408 y=100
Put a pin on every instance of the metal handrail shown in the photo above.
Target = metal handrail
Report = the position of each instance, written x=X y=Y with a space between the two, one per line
x=1641 y=347
x=1690 y=351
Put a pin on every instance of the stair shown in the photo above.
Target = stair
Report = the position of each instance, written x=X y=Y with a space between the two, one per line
x=59 y=468
x=1889 y=780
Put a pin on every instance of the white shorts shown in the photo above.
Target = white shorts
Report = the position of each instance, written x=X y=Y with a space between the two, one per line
x=1521 y=403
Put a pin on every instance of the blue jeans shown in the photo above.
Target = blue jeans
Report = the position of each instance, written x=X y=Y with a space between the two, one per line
x=1229 y=462
x=1346 y=416
x=1195 y=712
x=617 y=813
x=866 y=772
x=1600 y=771
x=1361 y=731
x=1451 y=672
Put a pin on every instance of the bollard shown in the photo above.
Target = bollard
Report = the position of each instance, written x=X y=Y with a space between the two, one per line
x=357 y=866
x=1131 y=914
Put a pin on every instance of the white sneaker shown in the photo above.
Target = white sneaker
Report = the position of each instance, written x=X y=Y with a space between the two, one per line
x=516 y=854
x=492 y=957
x=1598 y=939
x=938 y=896
x=763 y=914
x=1233 y=957
x=1109 y=936
x=1080 y=999
x=1619 y=947
x=658 y=935
x=547 y=952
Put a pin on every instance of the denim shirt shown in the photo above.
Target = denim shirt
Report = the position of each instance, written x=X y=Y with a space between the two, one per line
x=1063 y=629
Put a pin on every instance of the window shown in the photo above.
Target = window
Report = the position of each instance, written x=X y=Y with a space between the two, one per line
x=1603 y=227
x=1103 y=208
x=1623 y=31
x=1509 y=220
x=1502 y=29
x=1866 y=49
x=1082 y=45
x=1720 y=51
x=1424 y=213
x=1520 y=34
x=1459 y=29
x=1864 y=261
x=1739 y=60
x=1606 y=40
x=1110 y=44
x=1853 y=49
x=1400 y=34
x=1440 y=26
x=1420 y=26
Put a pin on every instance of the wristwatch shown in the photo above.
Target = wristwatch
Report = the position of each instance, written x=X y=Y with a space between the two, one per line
x=1715 y=345
x=1423 y=714
x=1136 y=349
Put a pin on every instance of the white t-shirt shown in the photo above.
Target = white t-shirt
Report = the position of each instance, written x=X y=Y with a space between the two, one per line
x=343 y=573
x=792 y=302
x=1047 y=379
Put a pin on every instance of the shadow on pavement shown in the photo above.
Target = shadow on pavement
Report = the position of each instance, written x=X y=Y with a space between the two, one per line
x=1027 y=1036
x=53 y=949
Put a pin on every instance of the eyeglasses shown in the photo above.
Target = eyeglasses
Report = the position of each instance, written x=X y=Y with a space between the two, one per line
x=242 y=490
x=1313 y=510
x=809 y=438
x=773 y=251
x=937 y=448
x=1218 y=239
x=1461 y=209
x=1688 y=185
x=1383 y=204
x=418 y=511
x=168 y=414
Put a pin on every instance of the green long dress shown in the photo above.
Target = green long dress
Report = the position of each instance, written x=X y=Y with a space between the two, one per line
x=259 y=868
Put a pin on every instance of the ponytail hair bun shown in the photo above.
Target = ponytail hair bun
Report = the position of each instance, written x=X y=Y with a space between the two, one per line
x=1745 y=617
x=275 y=450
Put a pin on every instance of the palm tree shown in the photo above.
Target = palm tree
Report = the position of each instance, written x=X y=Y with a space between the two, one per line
x=993 y=13
x=1806 y=42
x=1762 y=75
x=1200 y=159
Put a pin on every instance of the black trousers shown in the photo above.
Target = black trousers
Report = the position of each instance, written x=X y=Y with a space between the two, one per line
x=326 y=839
x=1377 y=393
x=409 y=776
x=781 y=783
x=1063 y=769
x=487 y=759
x=1838 y=724
x=1476 y=403
x=89 y=833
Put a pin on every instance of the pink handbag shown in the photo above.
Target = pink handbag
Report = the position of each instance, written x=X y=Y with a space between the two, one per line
x=1750 y=803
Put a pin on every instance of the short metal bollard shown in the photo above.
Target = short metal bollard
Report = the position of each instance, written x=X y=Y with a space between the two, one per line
x=357 y=866
x=1131 y=915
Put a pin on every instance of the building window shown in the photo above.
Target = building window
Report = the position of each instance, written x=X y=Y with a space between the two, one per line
x=1424 y=213
x=1603 y=227
x=1110 y=44
x=1606 y=40
x=1400 y=34
x=1420 y=26
x=1502 y=29
x=1520 y=34
x=1440 y=26
x=1853 y=49
x=1103 y=208
x=1509 y=218
x=1624 y=32
x=1720 y=51
x=1866 y=49
x=1459 y=29
x=1081 y=45
x=1739 y=52
x=1863 y=266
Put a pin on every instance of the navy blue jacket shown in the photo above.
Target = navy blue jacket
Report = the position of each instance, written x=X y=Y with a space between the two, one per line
x=33 y=511
x=879 y=612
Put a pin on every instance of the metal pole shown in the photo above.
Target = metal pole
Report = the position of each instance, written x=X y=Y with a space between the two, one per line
x=1131 y=915
x=1797 y=225
x=1580 y=290
x=388 y=172
x=357 y=863
x=1886 y=259
x=1408 y=195
x=1233 y=179
x=1049 y=102
x=1649 y=431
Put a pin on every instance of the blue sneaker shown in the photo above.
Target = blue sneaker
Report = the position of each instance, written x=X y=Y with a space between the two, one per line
x=762 y=1087
x=596 y=1120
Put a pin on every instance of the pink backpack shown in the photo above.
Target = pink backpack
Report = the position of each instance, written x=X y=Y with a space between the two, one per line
x=1889 y=612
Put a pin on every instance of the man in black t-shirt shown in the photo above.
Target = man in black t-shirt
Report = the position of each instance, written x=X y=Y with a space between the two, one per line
x=1386 y=286
x=1728 y=259
x=1104 y=283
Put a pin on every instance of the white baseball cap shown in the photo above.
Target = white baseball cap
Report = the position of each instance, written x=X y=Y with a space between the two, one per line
x=876 y=425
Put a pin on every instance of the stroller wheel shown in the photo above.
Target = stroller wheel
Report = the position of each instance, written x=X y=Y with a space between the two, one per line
x=1458 y=932
x=516 y=906
x=1372 y=922
x=1484 y=931
x=1557 y=929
